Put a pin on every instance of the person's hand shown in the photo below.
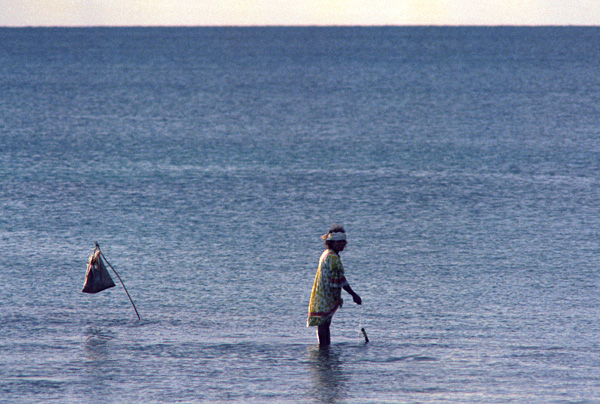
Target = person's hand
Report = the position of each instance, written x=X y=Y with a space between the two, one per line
x=357 y=299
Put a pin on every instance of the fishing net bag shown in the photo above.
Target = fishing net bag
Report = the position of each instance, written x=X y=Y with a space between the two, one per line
x=97 y=277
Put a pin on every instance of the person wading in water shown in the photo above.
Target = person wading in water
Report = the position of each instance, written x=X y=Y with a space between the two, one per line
x=325 y=297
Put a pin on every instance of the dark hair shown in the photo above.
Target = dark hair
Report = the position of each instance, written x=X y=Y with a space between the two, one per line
x=336 y=228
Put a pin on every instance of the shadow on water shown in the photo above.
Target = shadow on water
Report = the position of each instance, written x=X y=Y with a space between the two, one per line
x=97 y=345
x=97 y=365
x=329 y=381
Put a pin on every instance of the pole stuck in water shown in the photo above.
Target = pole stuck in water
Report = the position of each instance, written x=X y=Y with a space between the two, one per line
x=120 y=280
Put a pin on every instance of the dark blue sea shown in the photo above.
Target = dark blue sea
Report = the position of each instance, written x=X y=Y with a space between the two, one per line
x=464 y=164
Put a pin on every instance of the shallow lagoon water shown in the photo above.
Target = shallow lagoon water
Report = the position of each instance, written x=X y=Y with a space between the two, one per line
x=207 y=162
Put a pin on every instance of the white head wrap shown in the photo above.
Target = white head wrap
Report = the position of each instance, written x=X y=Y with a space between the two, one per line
x=334 y=236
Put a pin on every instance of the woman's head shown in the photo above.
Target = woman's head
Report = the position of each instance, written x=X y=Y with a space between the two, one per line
x=335 y=238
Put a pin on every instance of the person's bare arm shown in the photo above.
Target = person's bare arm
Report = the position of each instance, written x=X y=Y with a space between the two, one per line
x=355 y=297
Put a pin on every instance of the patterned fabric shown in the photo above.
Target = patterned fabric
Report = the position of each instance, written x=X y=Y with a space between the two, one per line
x=327 y=289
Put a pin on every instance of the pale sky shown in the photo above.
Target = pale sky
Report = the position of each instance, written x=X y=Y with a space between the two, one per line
x=297 y=12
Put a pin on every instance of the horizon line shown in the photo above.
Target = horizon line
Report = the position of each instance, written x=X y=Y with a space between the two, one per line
x=312 y=26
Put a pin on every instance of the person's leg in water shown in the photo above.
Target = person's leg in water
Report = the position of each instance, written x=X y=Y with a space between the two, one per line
x=323 y=333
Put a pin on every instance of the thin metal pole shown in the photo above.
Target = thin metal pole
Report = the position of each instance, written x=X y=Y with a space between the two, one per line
x=120 y=280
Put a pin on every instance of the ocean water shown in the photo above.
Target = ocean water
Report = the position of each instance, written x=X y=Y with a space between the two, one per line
x=206 y=162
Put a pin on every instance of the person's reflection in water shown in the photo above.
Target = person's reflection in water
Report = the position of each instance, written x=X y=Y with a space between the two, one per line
x=329 y=380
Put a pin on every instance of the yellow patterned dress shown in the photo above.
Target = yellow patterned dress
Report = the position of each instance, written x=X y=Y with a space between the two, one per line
x=327 y=289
